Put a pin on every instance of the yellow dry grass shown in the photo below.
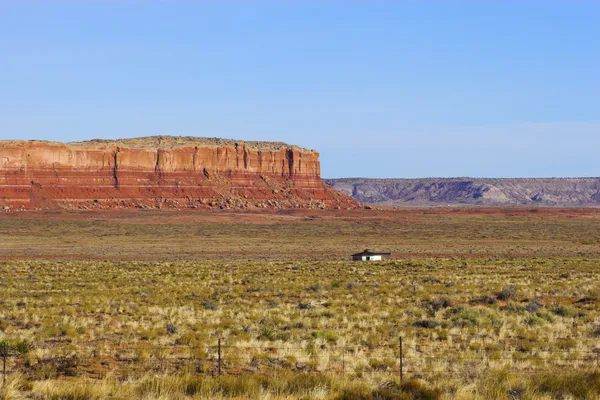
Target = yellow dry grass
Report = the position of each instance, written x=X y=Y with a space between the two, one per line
x=488 y=307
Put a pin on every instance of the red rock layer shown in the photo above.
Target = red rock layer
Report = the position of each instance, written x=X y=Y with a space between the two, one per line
x=41 y=175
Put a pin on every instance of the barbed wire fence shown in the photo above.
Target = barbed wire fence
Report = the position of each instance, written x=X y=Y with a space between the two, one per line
x=98 y=358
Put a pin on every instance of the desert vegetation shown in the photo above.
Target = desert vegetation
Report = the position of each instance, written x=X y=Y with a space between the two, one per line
x=485 y=328
x=489 y=303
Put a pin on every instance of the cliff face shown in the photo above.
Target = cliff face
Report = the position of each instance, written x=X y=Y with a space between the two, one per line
x=190 y=174
x=562 y=192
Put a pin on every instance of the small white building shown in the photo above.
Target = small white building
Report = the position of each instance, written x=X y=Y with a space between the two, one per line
x=369 y=255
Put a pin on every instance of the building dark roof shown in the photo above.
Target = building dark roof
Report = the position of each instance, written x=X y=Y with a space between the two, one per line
x=368 y=252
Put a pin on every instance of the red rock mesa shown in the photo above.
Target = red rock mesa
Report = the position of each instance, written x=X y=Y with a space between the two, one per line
x=162 y=171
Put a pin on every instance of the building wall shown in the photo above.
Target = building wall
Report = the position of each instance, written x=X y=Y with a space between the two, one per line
x=364 y=258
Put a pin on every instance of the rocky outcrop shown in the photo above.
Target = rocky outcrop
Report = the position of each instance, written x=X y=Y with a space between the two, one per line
x=162 y=172
x=564 y=192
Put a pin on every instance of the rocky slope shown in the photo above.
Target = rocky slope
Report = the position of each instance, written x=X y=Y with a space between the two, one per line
x=565 y=192
x=156 y=172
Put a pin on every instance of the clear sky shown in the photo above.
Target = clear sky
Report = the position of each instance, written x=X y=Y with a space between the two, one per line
x=381 y=88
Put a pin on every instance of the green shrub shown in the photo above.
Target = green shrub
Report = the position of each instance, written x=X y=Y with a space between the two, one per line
x=507 y=293
x=534 y=320
x=466 y=316
x=210 y=305
x=567 y=311
x=513 y=307
x=329 y=336
x=426 y=323
x=438 y=304
x=534 y=306
x=18 y=346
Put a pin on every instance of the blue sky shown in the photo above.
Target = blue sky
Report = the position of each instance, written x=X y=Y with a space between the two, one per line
x=380 y=88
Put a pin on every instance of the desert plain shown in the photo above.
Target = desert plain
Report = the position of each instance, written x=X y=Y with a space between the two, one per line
x=174 y=304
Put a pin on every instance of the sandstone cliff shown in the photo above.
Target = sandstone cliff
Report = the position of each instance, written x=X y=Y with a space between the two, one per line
x=162 y=172
x=562 y=192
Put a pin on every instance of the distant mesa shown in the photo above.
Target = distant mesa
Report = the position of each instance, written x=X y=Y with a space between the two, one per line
x=163 y=171
x=560 y=192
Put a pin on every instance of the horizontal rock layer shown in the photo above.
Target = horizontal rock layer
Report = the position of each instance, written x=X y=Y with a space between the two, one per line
x=45 y=175
x=564 y=192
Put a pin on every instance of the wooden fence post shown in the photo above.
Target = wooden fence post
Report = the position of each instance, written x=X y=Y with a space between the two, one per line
x=401 y=357
x=219 y=355
x=4 y=351
x=343 y=362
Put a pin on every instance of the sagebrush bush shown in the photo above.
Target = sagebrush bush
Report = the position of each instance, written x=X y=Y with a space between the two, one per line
x=426 y=323
x=508 y=293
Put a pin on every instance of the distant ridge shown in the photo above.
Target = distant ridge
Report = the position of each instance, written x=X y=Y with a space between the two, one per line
x=559 y=192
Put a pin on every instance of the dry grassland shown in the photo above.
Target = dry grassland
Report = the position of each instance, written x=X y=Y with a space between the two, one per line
x=298 y=235
x=492 y=304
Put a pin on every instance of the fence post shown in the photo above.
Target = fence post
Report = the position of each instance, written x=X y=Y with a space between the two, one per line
x=219 y=355
x=401 y=357
x=4 y=351
x=343 y=362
